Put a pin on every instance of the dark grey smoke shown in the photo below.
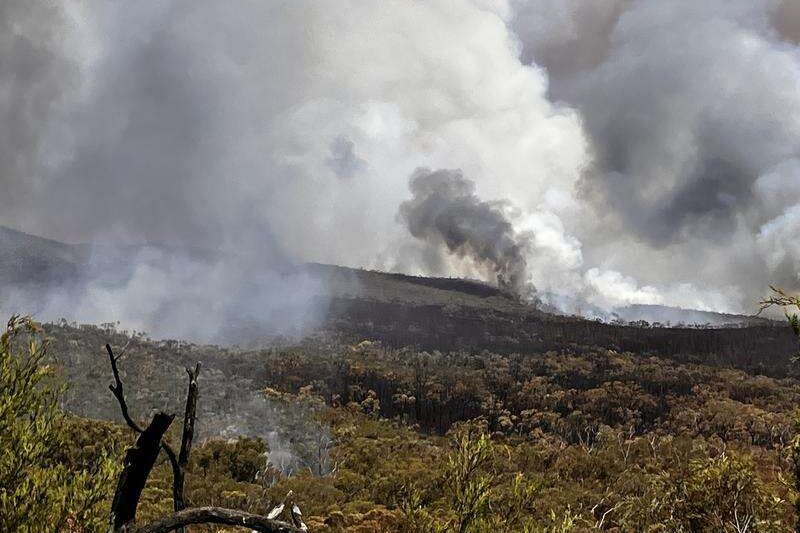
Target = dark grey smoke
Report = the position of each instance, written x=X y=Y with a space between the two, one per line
x=344 y=160
x=444 y=210
x=683 y=131
x=693 y=113
x=36 y=76
x=786 y=19
x=565 y=37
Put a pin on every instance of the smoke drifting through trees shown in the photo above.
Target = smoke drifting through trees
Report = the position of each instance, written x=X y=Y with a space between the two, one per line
x=445 y=211
x=230 y=298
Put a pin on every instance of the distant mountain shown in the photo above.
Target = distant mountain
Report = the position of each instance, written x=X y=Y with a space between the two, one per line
x=29 y=261
x=675 y=316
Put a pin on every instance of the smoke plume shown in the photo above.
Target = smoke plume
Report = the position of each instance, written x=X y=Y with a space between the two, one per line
x=445 y=210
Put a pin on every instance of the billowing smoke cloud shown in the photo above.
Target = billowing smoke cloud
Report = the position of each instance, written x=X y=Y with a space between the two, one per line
x=639 y=171
x=566 y=37
x=193 y=124
x=681 y=148
x=691 y=141
x=121 y=131
x=36 y=75
x=445 y=210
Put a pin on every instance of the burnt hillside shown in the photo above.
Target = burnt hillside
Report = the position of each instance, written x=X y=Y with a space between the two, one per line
x=450 y=314
x=443 y=314
x=762 y=349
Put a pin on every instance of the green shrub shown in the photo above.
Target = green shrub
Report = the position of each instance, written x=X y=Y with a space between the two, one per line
x=42 y=487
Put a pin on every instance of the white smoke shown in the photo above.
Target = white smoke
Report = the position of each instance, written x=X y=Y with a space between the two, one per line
x=639 y=170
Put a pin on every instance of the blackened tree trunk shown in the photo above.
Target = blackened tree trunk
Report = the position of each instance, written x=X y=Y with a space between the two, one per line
x=189 y=416
x=139 y=461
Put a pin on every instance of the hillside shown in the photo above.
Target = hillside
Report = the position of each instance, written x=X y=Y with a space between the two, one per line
x=399 y=311
x=30 y=260
x=26 y=259
x=635 y=426
x=430 y=313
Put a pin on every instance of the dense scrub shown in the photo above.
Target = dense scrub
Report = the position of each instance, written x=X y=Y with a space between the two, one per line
x=760 y=347
x=387 y=477
x=378 y=439
x=646 y=483
x=49 y=479
x=558 y=394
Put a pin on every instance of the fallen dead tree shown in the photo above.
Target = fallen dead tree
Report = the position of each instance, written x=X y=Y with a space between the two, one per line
x=141 y=457
x=215 y=515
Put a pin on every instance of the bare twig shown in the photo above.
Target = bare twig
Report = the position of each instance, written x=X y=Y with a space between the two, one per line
x=780 y=298
x=139 y=462
x=179 y=465
x=189 y=416
x=119 y=393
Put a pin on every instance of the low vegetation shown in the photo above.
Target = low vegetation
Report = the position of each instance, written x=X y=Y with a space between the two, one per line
x=368 y=437
x=49 y=480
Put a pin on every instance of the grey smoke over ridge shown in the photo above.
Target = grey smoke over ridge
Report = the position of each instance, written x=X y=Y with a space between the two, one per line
x=194 y=124
x=684 y=146
x=646 y=151
x=169 y=293
x=445 y=210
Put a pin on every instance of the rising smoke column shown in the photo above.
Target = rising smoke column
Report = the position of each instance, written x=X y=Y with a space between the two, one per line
x=444 y=211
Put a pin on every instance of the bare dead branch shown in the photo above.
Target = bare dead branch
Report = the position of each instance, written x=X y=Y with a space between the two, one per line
x=779 y=298
x=119 y=393
x=178 y=502
x=216 y=515
x=179 y=465
x=139 y=462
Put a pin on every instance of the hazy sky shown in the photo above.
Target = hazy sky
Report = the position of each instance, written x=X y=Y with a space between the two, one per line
x=628 y=151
